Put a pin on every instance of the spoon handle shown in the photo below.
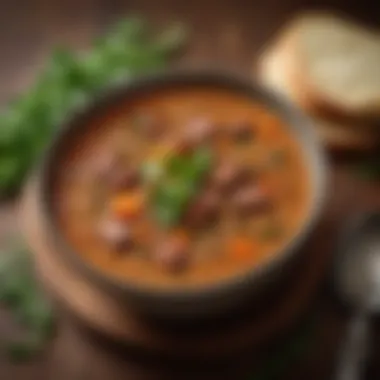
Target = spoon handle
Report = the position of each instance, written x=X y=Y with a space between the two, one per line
x=353 y=352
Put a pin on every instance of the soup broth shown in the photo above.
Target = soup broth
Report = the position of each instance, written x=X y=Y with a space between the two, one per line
x=183 y=186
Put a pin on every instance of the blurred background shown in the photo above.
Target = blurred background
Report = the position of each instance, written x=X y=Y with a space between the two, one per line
x=224 y=34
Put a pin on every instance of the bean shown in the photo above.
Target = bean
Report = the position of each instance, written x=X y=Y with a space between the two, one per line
x=123 y=179
x=172 y=254
x=249 y=200
x=117 y=234
x=200 y=131
x=106 y=164
x=229 y=175
x=241 y=131
x=204 y=210
x=112 y=171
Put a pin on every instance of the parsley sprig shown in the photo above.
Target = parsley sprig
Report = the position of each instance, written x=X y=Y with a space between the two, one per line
x=69 y=80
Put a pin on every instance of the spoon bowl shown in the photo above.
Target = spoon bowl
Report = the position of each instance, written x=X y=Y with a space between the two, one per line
x=356 y=282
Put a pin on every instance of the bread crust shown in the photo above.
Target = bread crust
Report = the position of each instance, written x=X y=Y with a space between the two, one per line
x=302 y=89
x=276 y=70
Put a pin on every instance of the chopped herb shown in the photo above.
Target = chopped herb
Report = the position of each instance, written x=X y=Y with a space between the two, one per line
x=179 y=181
x=202 y=160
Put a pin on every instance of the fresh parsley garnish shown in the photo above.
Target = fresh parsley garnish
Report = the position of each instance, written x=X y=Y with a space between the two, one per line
x=179 y=182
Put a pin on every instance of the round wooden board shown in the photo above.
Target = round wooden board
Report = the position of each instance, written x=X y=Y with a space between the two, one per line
x=250 y=329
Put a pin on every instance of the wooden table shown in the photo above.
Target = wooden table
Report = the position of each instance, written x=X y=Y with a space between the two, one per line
x=225 y=34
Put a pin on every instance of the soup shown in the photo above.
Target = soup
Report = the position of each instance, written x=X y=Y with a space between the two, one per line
x=182 y=186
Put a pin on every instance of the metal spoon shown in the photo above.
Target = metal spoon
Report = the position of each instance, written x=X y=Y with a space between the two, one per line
x=357 y=283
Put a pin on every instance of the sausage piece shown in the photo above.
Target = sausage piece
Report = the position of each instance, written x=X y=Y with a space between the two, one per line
x=105 y=164
x=204 y=210
x=120 y=178
x=241 y=130
x=113 y=172
x=116 y=234
x=172 y=254
x=248 y=200
x=200 y=131
x=228 y=176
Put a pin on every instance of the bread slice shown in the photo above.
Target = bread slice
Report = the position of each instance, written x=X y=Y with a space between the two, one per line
x=335 y=65
x=274 y=72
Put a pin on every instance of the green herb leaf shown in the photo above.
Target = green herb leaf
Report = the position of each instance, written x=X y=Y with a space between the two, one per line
x=68 y=81
x=169 y=201
x=202 y=161
x=179 y=181
x=20 y=293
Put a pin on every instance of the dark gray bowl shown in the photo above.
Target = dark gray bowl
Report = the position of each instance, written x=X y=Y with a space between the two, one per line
x=221 y=296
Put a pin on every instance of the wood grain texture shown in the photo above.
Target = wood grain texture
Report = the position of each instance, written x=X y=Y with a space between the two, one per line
x=226 y=34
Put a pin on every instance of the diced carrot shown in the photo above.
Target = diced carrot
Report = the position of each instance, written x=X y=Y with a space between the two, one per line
x=241 y=248
x=127 y=205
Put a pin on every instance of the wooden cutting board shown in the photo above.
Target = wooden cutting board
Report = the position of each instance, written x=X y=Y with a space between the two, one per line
x=249 y=328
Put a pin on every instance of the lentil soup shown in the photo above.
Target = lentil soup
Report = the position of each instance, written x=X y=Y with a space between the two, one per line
x=182 y=186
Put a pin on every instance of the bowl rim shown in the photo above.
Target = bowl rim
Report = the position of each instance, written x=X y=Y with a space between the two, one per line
x=146 y=83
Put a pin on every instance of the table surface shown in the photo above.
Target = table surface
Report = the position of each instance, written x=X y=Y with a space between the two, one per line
x=226 y=34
